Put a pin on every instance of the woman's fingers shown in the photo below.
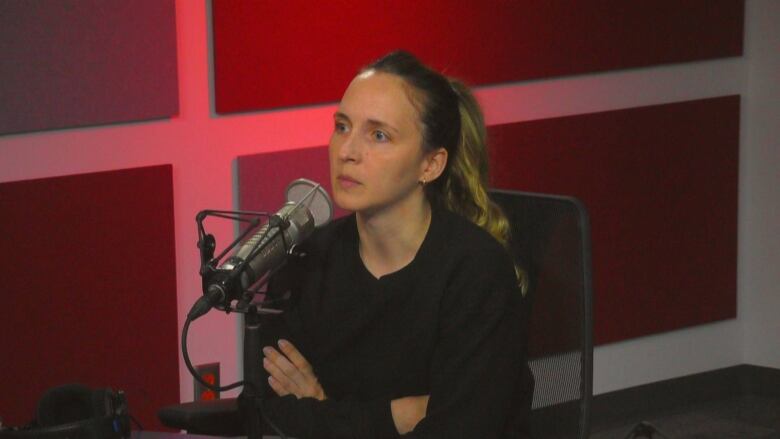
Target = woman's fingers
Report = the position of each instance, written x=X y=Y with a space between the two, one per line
x=284 y=371
x=277 y=387
x=295 y=356
x=291 y=372
x=277 y=379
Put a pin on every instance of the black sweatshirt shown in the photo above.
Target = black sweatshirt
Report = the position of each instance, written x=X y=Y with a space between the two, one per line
x=450 y=324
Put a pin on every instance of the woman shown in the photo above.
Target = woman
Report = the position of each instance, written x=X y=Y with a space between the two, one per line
x=405 y=318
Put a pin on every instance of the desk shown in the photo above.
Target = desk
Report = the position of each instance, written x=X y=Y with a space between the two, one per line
x=161 y=435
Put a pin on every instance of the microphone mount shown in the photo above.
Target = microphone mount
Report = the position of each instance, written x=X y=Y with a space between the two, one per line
x=232 y=285
x=222 y=286
x=250 y=399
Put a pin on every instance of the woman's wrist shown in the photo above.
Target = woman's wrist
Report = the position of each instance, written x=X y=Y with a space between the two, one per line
x=408 y=412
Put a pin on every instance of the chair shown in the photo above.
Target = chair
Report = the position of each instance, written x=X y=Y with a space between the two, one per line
x=551 y=239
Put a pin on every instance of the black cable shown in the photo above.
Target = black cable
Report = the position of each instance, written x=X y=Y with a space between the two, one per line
x=135 y=421
x=261 y=408
x=198 y=378
x=191 y=368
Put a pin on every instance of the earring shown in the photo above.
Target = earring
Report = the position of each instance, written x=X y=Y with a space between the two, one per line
x=422 y=182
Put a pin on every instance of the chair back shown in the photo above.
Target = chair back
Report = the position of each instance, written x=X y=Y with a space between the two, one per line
x=551 y=240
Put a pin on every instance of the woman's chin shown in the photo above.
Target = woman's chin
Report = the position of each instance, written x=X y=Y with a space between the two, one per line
x=346 y=202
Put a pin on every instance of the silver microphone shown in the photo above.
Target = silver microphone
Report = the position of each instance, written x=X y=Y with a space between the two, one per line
x=308 y=206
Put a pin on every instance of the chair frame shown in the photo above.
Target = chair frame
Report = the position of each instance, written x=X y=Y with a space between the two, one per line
x=586 y=302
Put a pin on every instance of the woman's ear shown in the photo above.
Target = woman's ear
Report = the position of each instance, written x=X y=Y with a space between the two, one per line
x=433 y=165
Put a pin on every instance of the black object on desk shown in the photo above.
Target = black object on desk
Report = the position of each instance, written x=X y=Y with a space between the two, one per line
x=165 y=435
x=220 y=417
x=76 y=411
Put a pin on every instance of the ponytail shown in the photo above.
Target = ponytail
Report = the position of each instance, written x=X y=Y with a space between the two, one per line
x=452 y=119
x=467 y=181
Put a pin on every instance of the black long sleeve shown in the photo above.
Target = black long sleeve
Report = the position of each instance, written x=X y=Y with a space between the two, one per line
x=310 y=418
x=448 y=325
x=478 y=356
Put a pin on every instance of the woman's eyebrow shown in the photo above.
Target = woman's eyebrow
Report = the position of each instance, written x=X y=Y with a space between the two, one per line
x=374 y=123
x=380 y=124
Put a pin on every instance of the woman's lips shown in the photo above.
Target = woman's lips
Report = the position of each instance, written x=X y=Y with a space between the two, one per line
x=347 y=182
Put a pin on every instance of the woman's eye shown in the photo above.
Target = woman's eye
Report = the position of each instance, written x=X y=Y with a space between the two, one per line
x=340 y=127
x=380 y=136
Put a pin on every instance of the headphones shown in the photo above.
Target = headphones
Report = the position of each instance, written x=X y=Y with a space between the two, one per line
x=74 y=411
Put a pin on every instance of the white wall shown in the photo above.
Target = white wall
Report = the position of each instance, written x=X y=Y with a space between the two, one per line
x=202 y=148
x=759 y=262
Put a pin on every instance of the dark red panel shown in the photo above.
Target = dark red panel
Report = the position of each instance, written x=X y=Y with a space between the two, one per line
x=69 y=63
x=275 y=54
x=660 y=184
x=89 y=289
x=262 y=178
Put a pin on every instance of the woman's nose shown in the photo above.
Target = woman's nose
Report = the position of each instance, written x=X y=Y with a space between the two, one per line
x=349 y=149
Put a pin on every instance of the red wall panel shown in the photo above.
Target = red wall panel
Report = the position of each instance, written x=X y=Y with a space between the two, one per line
x=89 y=289
x=660 y=184
x=277 y=54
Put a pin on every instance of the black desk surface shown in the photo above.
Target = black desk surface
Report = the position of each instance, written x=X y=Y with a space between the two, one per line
x=160 y=435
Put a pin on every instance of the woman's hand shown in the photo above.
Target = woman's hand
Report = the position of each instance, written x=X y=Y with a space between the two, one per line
x=291 y=373
x=408 y=411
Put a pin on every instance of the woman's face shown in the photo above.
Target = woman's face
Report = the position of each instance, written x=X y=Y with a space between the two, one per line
x=376 y=156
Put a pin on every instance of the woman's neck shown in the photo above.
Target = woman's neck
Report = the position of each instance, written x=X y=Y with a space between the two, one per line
x=389 y=240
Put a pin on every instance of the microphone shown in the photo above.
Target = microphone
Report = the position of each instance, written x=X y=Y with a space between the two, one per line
x=308 y=206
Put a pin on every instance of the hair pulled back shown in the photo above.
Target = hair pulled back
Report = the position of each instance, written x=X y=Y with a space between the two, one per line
x=452 y=119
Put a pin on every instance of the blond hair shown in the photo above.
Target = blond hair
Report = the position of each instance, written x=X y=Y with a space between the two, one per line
x=466 y=186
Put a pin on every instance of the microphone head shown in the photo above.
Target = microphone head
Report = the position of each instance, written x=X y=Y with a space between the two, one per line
x=313 y=196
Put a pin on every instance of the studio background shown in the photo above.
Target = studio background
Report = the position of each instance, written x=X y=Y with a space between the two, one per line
x=202 y=148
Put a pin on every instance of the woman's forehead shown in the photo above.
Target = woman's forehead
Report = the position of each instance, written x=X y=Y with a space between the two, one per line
x=379 y=96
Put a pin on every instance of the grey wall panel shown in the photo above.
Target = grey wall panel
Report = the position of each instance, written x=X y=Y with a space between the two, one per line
x=68 y=63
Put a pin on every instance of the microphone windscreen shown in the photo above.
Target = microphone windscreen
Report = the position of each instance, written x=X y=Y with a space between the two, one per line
x=314 y=197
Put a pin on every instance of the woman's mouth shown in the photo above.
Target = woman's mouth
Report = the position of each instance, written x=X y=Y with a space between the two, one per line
x=347 y=182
